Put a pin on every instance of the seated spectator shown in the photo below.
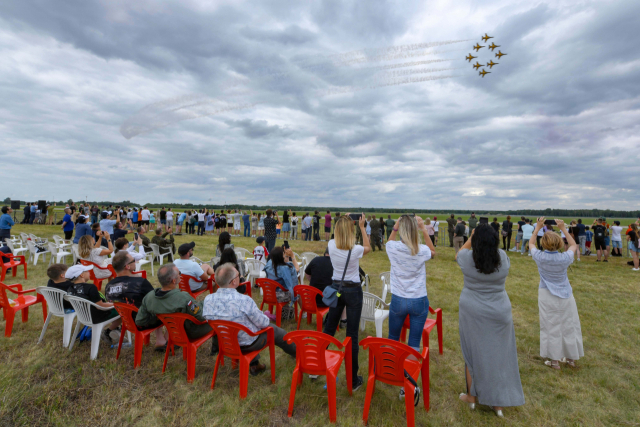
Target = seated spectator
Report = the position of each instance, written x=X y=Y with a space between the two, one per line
x=130 y=289
x=229 y=256
x=107 y=222
x=260 y=252
x=82 y=228
x=79 y=274
x=145 y=239
x=285 y=273
x=57 y=280
x=230 y=305
x=192 y=268
x=122 y=244
x=169 y=299
x=224 y=242
x=119 y=231
x=320 y=273
x=90 y=250
x=166 y=245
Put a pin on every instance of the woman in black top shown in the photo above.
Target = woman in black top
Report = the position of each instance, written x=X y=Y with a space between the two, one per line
x=507 y=227
x=495 y=225
x=229 y=255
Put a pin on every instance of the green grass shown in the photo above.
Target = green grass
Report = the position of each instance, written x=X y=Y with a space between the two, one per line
x=46 y=385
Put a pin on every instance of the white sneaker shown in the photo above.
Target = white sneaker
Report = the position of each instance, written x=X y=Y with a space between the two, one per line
x=304 y=315
x=529 y=254
x=635 y=269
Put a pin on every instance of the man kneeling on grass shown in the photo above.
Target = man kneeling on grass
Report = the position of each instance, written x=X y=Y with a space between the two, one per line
x=169 y=299
x=227 y=304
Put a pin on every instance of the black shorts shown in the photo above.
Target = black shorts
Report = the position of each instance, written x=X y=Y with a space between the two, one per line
x=103 y=316
x=600 y=244
x=145 y=222
x=68 y=234
x=327 y=229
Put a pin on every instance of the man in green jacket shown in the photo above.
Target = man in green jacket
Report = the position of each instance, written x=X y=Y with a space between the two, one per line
x=375 y=233
x=473 y=222
x=166 y=245
x=170 y=299
x=452 y=223
x=389 y=223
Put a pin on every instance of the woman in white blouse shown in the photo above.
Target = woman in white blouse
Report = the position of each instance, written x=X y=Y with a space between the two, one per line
x=90 y=250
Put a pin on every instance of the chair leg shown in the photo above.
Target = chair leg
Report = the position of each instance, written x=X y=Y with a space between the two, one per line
x=72 y=340
x=331 y=393
x=439 y=327
x=122 y=331
x=409 y=391
x=378 y=323
x=215 y=370
x=426 y=384
x=95 y=340
x=371 y=388
x=318 y=322
x=166 y=355
x=308 y=317
x=44 y=308
x=44 y=328
x=294 y=386
x=244 y=377
x=137 y=355
x=9 y=318
x=278 y=315
x=67 y=328
x=25 y=314
x=191 y=362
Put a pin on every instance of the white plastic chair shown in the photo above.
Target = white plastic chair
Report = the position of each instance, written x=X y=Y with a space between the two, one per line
x=297 y=256
x=243 y=253
x=58 y=253
x=74 y=252
x=198 y=260
x=16 y=241
x=61 y=243
x=157 y=255
x=373 y=310
x=301 y=267
x=83 y=311
x=309 y=256
x=148 y=259
x=34 y=254
x=13 y=249
x=385 y=278
x=38 y=240
x=214 y=260
x=365 y=283
x=24 y=237
x=55 y=305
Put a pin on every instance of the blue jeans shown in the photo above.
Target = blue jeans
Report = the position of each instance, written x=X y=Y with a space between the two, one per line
x=417 y=309
x=247 y=229
x=270 y=244
x=525 y=244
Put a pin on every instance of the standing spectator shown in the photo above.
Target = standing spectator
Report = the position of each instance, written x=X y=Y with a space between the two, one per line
x=32 y=212
x=163 y=218
x=306 y=224
x=82 y=229
x=374 y=225
x=107 y=222
x=616 y=239
x=458 y=235
x=180 y=221
x=429 y=226
x=224 y=242
x=27 y=213
x=527 y=234
x=286 y=225
x=368 y=227
x=599 y=232
x=246 y=219
x=145 y=216
x=67 y=224
x=320 y=272
x=345 y=258
x=327 y=226
x=270 y=230
x=316 y=226
x=90 y=250
x=209 y=223
x=169 y=217
x=487 y=334
x=408 y=279
x=201 y=218
x=634 y=245
x=589 y=239
x=451 y=222
x=237 y=219
x=574 y=231
x=294 y=226
x=560 y=332
x=390 y=224
x=582 y=236
x=507 y=229
x=50 y=213
x=6 y=222
x=519 y=233
x=436 y=226
x=495 y=225
x=473 y=222
x=539 y=238
x=261 y=224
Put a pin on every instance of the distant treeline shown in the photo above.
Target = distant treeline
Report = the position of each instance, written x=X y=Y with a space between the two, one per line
x=573 y=213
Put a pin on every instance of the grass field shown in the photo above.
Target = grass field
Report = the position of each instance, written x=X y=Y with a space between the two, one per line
x=46 y=385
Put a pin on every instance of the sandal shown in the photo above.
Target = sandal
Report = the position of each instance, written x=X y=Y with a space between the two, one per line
x=570 y=362
x=552 y=365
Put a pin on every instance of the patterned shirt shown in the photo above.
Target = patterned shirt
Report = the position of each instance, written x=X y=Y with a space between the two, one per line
x=270 y=228
x=230 y=305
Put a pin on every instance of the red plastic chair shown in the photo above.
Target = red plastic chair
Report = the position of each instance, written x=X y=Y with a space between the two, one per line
x=96 y=281
x=128 y=324
x=247 y=286
x=12 y=262
x=428 y=326
x=185 y=287
x=387 y=363
x=142 y=273
x=174 y=323
x=269 y=297
x=227 y=333
x=308 y=305
x=23 y=302
x=312 y=357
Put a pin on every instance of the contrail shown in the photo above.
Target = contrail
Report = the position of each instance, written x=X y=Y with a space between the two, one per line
x=402 y=73
x=382 y=83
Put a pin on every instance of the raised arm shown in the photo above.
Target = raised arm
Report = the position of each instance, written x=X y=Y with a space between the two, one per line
x=425 y=234
x=572 y=243
x=539 y=225
x=365 y=239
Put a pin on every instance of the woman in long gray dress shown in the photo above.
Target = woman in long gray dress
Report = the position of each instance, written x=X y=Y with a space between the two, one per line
x=487 y=336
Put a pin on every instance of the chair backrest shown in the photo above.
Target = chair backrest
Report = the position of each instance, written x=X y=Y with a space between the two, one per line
x=24 y=237
x=74 y=248
x=83 y=308
x=4 y=299
x=54 y=298
x=307 y=297
x=184 y=282
x=310 y=348
x=227 y=333
x=386 y=359
x=9 y=244
x=215 y=260
x=92 y=271
x=125 y=311
x=297 y=256
x=365 y=283
x=155 y=248
x=253 y=266
x=32 y=247
x=58 y=239
x=370 y=303
x=385 y=278
x=243 y=253
x=53 y=248
x=309 y=256
x=174 y=322
x=269 y=290
x=34 y=237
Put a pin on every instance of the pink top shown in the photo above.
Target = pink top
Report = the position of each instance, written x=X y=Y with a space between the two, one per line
x=327 y=220
x=430 y=229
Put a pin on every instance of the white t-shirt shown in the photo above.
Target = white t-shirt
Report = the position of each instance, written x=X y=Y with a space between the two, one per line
x=200 y=217
x=408 y=273
x=130 y=215
x=339 y=259
x=615 y=233
x=260 y=254
x=145 y=214
x=435 y=225
x=190 y=268
x=169 y=216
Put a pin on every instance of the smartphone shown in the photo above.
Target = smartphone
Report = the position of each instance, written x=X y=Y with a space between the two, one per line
x=286 y=244
x=135 y=236
x=483 y=220
x=412 y=214
x=550 y=222
x=355 y=217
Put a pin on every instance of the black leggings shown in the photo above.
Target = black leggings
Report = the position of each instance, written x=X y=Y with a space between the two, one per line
x=200 y=228
x=506 y=242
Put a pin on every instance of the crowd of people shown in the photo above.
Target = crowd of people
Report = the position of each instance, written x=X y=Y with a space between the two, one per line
x=487 y=333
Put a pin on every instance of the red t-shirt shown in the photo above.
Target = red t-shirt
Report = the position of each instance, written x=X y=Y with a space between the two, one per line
x=327 y=220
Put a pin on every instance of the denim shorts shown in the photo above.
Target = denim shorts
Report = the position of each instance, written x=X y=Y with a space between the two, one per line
x=616 y=244
x=519 y=237
x=607 y=241
x=286 y=227
x=632 y=247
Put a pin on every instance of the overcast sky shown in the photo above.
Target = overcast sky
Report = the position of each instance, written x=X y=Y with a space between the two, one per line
x=281 y=102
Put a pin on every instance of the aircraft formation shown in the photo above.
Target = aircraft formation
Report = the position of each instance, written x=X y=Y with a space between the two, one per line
x=489 y=64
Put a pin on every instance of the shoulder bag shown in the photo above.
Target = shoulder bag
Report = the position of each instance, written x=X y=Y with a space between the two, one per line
x=330 y=294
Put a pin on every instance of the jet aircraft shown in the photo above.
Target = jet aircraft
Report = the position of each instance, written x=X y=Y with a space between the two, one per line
x=490 y=64
x=470 y=57
x=477 y=47
x=493 y=46
x=477 y=65
x=486 y=37
x=500 y=54
x=484 y=72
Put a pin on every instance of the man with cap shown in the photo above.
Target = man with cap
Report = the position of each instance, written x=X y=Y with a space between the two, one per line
x=130 y=289
x=201 y=272
x=169 y=299
x=166 y=245
x=79 y=275
x=452 y=223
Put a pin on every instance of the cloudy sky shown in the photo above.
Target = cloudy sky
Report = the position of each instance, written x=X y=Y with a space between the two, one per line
x=324 y=103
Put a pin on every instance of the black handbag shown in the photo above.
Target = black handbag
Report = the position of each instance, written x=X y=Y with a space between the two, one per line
x=330 y=294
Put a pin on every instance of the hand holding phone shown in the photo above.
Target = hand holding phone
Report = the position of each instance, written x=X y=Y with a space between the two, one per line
x=135 y=236
x=286 y=244
x=355 y=217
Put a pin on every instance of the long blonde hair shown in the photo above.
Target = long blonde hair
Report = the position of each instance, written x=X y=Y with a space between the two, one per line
x=85 y=245
x=344 y=234
x=408 y=231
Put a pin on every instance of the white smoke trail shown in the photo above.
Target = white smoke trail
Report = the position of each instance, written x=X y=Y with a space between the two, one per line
x=402 y=73
x=381 y=83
